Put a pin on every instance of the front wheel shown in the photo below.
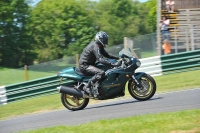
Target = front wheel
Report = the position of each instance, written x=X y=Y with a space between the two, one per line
x=145 y=93
x=74 y=103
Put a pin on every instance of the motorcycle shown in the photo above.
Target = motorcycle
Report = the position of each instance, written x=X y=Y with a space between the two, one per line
x=141 y=86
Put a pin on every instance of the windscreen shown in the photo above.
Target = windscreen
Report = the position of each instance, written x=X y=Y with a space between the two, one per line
x=127 y=51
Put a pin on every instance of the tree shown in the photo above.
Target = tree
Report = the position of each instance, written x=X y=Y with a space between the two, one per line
x=15 y=48
x=64 y=28
x=61 y=28
x=120 y=18
x=151 y=6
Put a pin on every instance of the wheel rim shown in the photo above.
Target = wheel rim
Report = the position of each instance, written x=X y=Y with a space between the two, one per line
x=72 y=101
x=147 y=88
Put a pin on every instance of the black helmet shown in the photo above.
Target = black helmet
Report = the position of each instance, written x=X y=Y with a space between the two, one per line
x=101 y=38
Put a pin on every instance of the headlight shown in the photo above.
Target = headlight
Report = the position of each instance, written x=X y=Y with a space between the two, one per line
x=138 y=63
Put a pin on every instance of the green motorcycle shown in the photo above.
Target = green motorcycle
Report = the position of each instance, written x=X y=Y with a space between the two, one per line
x=141 y=86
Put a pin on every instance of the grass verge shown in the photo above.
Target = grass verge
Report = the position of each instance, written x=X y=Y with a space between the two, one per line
x=165 y=83
x=13 y=76
x=3 y=68
x=148 y=54
x=187 y=121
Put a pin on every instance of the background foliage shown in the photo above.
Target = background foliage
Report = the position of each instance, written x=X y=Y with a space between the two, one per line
x=15 y=46
x=53 y=29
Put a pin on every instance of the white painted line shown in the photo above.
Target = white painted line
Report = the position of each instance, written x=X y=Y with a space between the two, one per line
x=150 y=67
x=149 y=58
x=2 y=90
x=177 y=91
x=3 y=104
x=154 y=75
x=3 y=100
x=3 y=97
x=150 y=63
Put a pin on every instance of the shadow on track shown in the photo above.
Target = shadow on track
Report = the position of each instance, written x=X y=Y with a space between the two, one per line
x=120 y=103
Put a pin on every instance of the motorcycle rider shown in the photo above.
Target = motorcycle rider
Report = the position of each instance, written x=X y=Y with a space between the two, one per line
x=95 y=52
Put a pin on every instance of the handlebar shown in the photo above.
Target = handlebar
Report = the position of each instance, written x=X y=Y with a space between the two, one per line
x=124 y=62
x=123 y=56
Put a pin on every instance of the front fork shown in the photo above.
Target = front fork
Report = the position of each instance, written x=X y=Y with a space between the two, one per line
x=136 y=78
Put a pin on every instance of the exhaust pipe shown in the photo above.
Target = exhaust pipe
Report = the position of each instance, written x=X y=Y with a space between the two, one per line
x=71 y=91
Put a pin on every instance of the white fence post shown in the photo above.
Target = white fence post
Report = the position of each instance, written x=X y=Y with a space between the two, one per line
x=187 y=40
x=176 y=47
x=192 y=36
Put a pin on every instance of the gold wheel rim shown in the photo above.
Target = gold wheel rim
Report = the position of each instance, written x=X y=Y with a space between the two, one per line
x=72 y=101
x=146 y=91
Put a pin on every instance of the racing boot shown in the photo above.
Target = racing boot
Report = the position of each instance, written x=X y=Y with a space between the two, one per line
x=87 y=88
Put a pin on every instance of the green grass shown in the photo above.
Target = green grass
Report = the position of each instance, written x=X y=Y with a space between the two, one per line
x=30 y=106
x=13 y=76
x=178 y=81
x=148 y=54
x=3 y=68
x=177 y=122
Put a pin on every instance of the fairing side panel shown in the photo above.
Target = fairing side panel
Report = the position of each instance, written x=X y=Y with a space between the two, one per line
x=113 y=83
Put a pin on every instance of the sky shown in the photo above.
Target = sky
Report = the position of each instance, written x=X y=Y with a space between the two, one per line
x=143 y=0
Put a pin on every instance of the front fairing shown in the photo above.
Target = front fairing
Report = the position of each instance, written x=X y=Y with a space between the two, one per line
x=134 y=63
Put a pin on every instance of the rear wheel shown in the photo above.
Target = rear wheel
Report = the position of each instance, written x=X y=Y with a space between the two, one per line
x=74 y=103
x=145 y=93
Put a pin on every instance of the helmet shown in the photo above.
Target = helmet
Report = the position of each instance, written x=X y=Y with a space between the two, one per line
x=101 y=38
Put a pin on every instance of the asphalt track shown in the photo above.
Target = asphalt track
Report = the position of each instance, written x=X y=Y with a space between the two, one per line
x=165 y=102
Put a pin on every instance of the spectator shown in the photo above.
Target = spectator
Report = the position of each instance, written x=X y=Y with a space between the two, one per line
x=166 y=46
x=170 y=5
x=164 y=27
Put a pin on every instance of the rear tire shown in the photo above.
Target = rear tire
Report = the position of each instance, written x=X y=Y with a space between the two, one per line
x=147 y=92
x=74 y=103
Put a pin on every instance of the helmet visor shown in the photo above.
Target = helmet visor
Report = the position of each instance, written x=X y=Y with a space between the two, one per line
x=105 y=41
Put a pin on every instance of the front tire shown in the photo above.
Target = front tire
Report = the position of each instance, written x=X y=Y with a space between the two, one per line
x=148 y=90
x=74 y=103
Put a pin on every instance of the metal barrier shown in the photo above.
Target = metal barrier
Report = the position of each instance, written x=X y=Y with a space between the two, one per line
x=165 y=64
x=151 y=66
x=184 y=60
x=154 y=66
x=42 y=86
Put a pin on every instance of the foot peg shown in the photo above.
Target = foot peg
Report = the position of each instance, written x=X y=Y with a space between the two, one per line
x=87 y=90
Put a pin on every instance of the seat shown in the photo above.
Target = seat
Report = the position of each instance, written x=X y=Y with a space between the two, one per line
x=77 y=70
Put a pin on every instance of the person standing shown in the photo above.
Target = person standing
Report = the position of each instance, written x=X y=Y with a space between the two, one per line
x=164 y=28
x=166 y=46
x=170 y=5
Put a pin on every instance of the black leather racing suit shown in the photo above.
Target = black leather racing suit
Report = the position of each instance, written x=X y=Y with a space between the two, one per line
x=92 y=53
